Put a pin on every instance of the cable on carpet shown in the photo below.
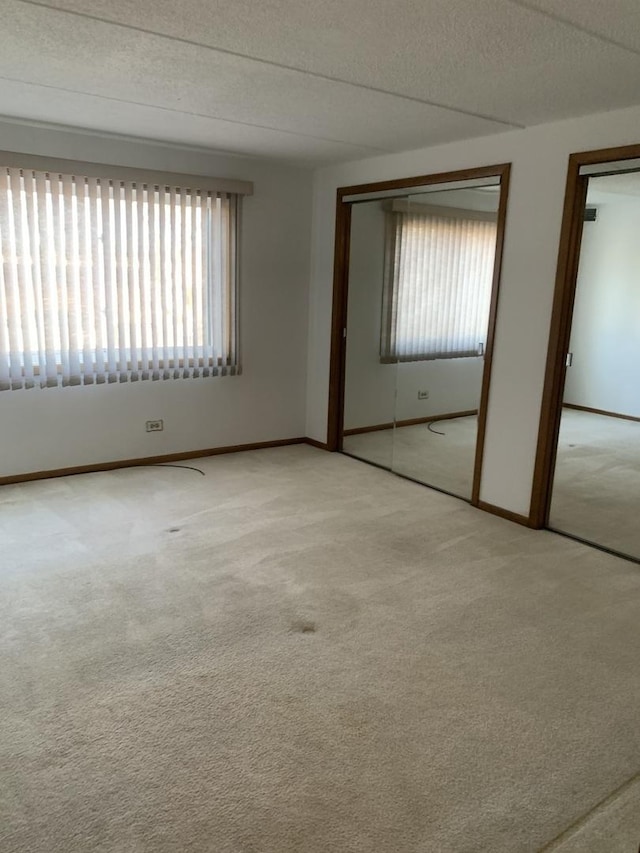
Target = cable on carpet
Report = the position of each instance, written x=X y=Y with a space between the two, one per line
x=187 y=467
x=435 y=431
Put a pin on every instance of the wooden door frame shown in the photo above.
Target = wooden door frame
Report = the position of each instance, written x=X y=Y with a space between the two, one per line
x=561 y=321
x=341 y=292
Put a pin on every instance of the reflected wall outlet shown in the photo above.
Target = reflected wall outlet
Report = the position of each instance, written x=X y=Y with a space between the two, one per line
x=155 y=426
x=423 y=395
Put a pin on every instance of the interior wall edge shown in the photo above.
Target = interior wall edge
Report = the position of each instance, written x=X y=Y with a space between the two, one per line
x=600 y=412
x=312 y=442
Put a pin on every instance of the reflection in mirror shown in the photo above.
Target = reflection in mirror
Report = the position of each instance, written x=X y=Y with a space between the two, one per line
x=596 y=487
x=370 y=386
x=419 y=294
x=444 y=250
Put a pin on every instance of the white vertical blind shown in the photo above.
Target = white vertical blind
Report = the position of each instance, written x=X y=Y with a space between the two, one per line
x=437 y=293
x=113 y=281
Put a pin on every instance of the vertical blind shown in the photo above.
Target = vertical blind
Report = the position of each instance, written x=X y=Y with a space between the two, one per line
x=437 y=288
x=112 y=281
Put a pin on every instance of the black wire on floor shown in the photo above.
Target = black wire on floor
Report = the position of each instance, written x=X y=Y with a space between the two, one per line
x=187 y=467
x=436 y=431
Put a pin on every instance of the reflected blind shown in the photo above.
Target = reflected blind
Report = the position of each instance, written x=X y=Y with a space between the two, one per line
x=114 y=281
x=437 y=288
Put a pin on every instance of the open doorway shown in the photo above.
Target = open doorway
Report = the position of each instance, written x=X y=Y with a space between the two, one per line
x=415 y=299
x=592 y=410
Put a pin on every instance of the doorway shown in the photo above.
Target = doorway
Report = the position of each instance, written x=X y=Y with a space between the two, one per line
x=416 y=277
x=588 y=469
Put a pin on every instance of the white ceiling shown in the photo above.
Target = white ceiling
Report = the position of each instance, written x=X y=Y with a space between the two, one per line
x=320 y=81
x=614 y=188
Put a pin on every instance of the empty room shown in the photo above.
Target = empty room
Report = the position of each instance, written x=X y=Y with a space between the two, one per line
x=319 y=426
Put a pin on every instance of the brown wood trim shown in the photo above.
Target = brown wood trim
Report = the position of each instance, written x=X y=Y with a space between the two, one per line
x=374 y=428
x=403 y=205
x=561 y=319
x=338 y=324
x=559 y=334
x=437 y=178
x=146 y=460
x=321 y=445
x=505 y=175
x=410 y=422
x=600 y=412
x=362 y=430
x=504 y=513
x=340 y=295
x=604 y=155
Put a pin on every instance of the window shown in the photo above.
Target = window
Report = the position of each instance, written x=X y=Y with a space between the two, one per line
x=438 y=279
x=105 y=280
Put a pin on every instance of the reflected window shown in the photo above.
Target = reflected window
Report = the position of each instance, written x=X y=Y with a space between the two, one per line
x=437 y=283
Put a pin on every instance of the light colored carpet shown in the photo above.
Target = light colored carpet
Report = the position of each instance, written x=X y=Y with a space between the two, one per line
x=596 y=492
x=612 y=827
x=444 y=461
x=301 y=653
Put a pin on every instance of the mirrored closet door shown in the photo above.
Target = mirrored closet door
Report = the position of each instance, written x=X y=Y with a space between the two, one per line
x=596 y=483
x=420 y=302
x=370 y=383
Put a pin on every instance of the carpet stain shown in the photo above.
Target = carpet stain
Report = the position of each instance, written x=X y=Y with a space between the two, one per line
x=303 y=626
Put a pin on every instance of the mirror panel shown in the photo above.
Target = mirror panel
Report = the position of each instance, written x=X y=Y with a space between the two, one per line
x=444 y=253
x=370 y=386
x=596 y=487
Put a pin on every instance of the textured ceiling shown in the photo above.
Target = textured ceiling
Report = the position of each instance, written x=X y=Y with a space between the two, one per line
x=617 y=20
x=315 y=82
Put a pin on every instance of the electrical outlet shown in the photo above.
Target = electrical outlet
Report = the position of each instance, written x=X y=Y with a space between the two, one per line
x=155 y=426
x=423 y=395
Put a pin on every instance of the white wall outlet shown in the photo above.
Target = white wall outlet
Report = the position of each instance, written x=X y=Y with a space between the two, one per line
x=423 y=395
x=155 y=426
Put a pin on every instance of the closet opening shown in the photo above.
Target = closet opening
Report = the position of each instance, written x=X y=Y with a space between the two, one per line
x=416 y=279
x=587 y=478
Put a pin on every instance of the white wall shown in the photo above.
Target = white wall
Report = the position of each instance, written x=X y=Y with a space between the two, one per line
x=539 y=156
x=605 y=334
x=370 y=393
x=58 y=428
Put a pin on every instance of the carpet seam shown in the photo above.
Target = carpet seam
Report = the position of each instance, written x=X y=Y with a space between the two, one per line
x=580 y=822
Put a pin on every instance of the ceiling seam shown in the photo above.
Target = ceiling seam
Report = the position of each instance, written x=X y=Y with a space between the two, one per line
x=282 y=66
x=299 y=162
x=523 y=4
x=197 y=115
